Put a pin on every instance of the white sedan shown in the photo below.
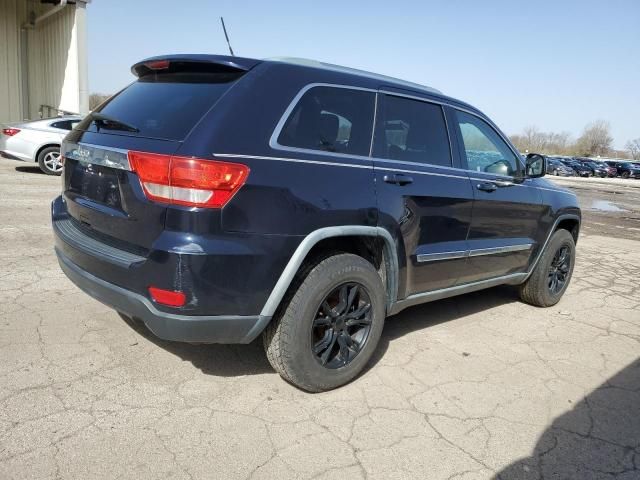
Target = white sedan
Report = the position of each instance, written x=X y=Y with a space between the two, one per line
x=37 y=141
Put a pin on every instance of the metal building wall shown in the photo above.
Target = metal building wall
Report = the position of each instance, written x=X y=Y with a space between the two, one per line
x=42 y=63
x=53 y=63
x=12 y=15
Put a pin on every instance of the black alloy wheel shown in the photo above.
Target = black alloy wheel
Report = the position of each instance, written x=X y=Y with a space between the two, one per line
x=330 y=324
x=552 y=273
x=341 y=326
x=559 y=270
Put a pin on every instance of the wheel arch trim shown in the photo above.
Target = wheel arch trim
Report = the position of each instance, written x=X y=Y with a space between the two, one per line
x=42 y=147
x=293 y=266
x=554 y=227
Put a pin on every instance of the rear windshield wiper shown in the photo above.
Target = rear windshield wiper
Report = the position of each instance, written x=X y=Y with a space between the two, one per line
x=111 y=123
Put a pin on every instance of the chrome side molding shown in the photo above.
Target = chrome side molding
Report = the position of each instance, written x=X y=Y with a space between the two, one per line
x=496 y=250
x=433 y=257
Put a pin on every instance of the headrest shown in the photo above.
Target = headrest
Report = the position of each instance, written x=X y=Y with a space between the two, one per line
x=416 y=139
x=328 y=128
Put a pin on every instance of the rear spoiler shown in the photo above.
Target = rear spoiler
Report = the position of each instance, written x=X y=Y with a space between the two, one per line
x=195 y=63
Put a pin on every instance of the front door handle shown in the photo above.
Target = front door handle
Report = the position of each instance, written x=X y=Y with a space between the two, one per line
x=398 y=179
x=487 y=186
x=503 y=183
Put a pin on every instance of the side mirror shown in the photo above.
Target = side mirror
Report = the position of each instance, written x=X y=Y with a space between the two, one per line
x=536 y=165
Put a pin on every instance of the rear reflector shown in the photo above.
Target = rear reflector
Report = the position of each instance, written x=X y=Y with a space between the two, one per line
x=192 y=182
x=10 y=132
x=170 y=298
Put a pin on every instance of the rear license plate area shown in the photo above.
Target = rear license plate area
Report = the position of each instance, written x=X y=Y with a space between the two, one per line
x=96 y=182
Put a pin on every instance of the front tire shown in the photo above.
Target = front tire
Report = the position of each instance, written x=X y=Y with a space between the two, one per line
x=49 y=161
x=551 y=276
x=625 y=174
x=328 y=328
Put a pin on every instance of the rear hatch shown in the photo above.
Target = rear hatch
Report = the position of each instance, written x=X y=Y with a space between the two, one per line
x=154 y=115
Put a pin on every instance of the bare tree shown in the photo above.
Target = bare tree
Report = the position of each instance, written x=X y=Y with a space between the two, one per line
x=559 y=142
x=596 y=139
x=533 y=140
x=95 y=99
x=633 y=147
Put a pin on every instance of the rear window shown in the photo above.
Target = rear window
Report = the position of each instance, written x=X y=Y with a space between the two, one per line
x=165 y=106
x=332 y=119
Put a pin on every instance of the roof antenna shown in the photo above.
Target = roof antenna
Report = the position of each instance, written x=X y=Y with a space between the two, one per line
x=226 y=36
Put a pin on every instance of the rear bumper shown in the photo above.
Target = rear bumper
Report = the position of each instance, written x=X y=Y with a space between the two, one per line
x=227 y=278
x=181 y=328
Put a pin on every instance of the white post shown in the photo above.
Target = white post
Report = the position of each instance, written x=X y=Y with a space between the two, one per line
x=83 y=64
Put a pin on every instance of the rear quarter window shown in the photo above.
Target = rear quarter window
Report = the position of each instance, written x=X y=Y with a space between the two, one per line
x=165 y=106
x=331 y=119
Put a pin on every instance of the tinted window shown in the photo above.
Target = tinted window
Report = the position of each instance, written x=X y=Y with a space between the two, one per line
x=331 y=119
x=485 y=150
x=165 y=105
x=65 y=124
x=415 y=131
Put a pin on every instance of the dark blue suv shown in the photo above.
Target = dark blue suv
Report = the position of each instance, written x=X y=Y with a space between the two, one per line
x=220 y=198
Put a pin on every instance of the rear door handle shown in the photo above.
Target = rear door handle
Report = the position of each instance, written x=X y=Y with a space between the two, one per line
x=487 y=186
x=398 y=179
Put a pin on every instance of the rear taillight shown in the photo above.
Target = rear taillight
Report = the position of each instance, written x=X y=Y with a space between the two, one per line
x=192 y=182
x=10 y=132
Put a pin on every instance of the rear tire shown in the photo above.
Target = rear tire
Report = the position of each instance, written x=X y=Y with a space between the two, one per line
x=551 y=276
x=315 y=316
x=49 y=161
x=625 y=175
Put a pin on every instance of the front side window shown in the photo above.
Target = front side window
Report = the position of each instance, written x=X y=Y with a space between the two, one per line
x=484 y=149
x=331 y=119
x=414 y=131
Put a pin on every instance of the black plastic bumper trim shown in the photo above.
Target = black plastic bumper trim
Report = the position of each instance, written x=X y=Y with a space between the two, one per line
x=168 y=326
x=75 y=237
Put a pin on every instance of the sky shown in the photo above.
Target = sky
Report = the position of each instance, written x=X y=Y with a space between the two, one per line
x=556 y=65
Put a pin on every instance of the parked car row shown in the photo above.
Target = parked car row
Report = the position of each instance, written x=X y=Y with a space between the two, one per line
x=625 y=169
x=591 y=167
